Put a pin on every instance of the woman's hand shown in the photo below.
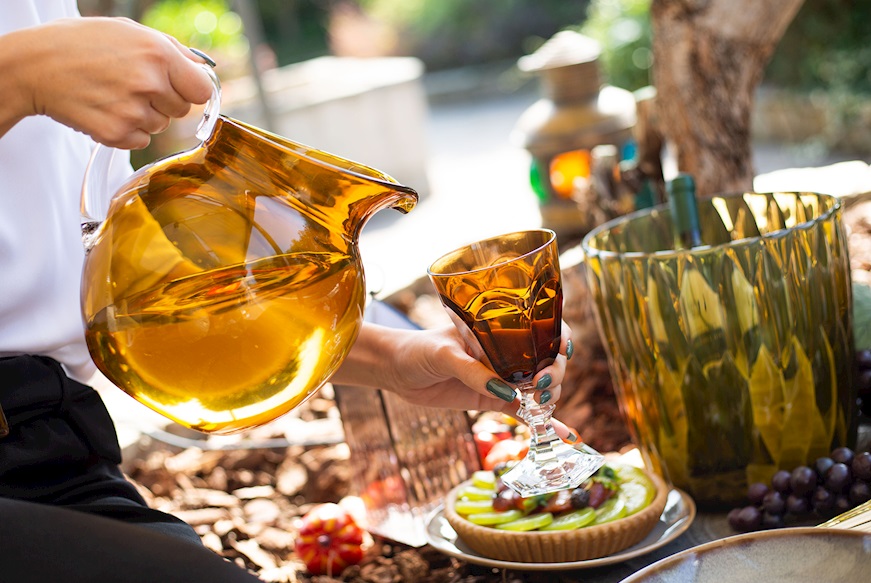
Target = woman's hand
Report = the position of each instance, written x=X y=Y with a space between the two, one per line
x=435 y=368
x=110 y=78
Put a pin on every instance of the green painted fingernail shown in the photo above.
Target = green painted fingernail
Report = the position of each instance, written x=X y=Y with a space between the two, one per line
x=209 y=60
x=498 y=388
x=545 y=397
x=570 y=349
x=543 y=382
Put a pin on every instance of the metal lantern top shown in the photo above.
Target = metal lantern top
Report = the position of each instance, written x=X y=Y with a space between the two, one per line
x=577 y=111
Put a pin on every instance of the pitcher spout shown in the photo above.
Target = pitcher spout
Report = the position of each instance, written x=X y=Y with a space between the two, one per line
x=339 y=193
x=393 y=196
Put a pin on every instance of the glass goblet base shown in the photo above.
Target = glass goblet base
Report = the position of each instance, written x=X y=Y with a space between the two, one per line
x=551 y=464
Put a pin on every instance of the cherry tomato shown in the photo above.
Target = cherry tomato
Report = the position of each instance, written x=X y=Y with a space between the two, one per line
x=504 y=451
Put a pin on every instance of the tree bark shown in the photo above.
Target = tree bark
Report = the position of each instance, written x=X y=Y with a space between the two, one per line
x=709 y=58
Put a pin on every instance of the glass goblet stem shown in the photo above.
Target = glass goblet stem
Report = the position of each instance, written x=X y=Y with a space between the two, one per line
x=551 y=464
x=537 y=418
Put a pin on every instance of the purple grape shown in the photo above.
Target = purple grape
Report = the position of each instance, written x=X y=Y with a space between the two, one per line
x=780 y=481
x=822 y=466
x=842 y=504
x=865 y=404
x=797 y=505
x=803 y=481
x=773 y=503
x=863 y=359
x=843 y=455
x=838 y=478
x=772 y=520
x=748 y=518
x=822 y=501
x=860 y=492
x=580 y=498
x=756 y=492
x=733 y=519
x=861 y=466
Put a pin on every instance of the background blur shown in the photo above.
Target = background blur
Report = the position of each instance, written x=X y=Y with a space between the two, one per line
x=429 y=91
x=822 y=63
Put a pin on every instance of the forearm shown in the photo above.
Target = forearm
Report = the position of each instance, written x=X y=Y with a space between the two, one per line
x=367 y=362
x=19 y=54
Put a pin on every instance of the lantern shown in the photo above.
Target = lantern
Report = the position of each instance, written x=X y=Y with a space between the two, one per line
x=563 y=129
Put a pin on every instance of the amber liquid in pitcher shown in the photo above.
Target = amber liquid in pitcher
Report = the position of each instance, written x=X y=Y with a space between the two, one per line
x=193 y=347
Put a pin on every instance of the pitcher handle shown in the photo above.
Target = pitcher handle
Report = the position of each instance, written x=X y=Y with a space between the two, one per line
x=95 y=187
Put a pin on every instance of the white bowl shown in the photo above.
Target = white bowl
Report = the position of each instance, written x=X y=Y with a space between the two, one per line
x=787 y=555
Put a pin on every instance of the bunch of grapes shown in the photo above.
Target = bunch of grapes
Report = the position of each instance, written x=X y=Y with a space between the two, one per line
x=863 y=380
x=834 y=484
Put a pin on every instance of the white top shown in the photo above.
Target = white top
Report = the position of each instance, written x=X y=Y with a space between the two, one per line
x=42 y=164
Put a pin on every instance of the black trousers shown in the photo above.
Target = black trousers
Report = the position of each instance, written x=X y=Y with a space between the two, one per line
x=66 y=511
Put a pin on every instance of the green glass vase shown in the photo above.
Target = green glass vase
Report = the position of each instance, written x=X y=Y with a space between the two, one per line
x=732 y=359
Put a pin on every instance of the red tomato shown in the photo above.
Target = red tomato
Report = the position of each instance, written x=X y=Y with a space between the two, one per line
x=559 y=502
x=599 y=494
x=488 y=432
x=329 y=540
x=380 y=493
x=505 y=451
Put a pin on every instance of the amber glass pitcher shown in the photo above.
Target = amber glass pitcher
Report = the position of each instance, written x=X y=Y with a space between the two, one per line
x=223 y=285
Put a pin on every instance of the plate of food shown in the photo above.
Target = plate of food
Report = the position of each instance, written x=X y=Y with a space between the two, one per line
x=620 y=513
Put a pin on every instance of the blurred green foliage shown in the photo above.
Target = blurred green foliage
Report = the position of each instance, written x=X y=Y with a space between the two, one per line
x=453 y=33
x=622 y=27
x=209 y=25
x=296 y=30
x=827 y=46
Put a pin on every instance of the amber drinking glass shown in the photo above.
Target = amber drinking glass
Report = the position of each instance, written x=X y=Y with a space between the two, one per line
x=732 y=360
x=504 y=296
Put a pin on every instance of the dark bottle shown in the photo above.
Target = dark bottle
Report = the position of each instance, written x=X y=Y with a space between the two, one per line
x=684 y=211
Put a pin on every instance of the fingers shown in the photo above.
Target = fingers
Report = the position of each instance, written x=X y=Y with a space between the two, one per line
x=547 y=382
x=566 y=346
x=566 y=433
x=190 y=81
x=155 y=122
x=133 y=140
x=126 y=82
x=205 y=58
x=170 y=104
x=193 y=53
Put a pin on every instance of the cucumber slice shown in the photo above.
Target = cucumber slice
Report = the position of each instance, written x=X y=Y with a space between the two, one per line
x=490 y=518
x=531 y=522
x=636 y=496
x=572 y=520
x=636 y=489
x=475 y=493
x=473 y=506
x=484 y=480
x=612 y=509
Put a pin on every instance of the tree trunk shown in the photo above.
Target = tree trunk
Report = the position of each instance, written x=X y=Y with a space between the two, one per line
x=709 y=58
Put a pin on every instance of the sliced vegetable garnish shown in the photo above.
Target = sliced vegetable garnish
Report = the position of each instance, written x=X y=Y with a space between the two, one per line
x=572 y=520
x=531 y=522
